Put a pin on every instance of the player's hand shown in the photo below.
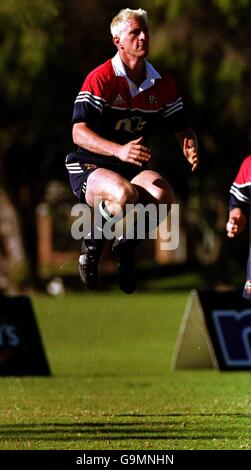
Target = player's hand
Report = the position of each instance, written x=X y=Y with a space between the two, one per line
x=134 y=152
x=190 y=151
x=236 y=222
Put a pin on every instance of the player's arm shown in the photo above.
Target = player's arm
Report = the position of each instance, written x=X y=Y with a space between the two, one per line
x=188 y=142
x=239 y=202
x=85 y=137
x=133 y=152
x=174 y=114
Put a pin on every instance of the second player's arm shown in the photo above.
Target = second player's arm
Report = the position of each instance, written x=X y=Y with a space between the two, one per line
x=133 y=152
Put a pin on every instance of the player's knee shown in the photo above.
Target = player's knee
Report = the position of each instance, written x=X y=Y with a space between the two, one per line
x=164 y=196
x=126 y=194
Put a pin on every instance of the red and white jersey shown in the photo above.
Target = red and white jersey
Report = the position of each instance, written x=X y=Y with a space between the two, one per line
x=240 y=196
x=241 y=188
x=116 y=109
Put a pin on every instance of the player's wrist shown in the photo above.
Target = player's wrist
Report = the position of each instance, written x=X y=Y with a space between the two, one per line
x=115 y=150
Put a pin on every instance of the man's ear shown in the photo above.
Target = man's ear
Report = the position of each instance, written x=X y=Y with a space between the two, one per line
x=117 y=42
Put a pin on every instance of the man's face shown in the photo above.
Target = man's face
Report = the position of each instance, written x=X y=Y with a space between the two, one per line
x=134 y=39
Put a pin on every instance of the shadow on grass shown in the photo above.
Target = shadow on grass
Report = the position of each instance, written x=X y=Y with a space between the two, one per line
x=171 y=427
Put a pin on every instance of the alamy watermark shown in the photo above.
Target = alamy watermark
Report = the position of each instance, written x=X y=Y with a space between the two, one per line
x=135 y=221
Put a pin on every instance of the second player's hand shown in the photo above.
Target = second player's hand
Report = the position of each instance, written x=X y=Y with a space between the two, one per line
x=134 y=152
x=236 y=222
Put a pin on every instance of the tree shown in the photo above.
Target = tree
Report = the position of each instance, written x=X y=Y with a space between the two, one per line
x=25 y=31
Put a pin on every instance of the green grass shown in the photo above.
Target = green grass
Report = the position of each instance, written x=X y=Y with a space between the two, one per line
x=111 y=384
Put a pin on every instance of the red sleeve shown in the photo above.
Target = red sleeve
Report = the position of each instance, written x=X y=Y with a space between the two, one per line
x=90 y=102
x=244 y=173
x=173 y=105
x=240 y=189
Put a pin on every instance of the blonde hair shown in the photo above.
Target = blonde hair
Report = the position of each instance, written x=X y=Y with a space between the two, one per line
x=125 y=15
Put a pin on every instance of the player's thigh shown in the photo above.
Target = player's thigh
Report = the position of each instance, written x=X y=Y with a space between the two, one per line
x=154 y=187
x=110 y=186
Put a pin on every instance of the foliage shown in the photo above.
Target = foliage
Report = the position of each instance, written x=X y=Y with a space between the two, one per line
x=25 y=42
x=207 y=45
x=29 y=41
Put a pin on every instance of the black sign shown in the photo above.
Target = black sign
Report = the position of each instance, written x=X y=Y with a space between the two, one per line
x=21 y=351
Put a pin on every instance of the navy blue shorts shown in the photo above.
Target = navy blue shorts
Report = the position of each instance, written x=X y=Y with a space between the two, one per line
x=79 y=172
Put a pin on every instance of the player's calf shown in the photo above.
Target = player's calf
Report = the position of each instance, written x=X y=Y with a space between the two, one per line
x=124 y=253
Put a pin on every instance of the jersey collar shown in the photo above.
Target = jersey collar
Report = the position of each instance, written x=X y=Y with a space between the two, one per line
x=151 y=75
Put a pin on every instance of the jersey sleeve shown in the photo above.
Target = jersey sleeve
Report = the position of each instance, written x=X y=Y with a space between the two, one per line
x=241 y=187
x=90 y=102
x=173 y=110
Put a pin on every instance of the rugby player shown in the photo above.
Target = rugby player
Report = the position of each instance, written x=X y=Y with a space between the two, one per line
x=117 y=108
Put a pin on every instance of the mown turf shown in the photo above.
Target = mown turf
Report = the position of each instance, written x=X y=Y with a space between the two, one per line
x=111 y=384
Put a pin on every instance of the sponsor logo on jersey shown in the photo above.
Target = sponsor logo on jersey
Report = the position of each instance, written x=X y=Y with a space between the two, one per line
x=135 y=124
x=119 y=100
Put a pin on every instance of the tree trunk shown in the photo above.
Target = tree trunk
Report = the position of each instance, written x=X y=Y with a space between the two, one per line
x=12 y=256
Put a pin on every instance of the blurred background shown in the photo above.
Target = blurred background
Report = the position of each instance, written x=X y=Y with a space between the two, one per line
x=47 y=48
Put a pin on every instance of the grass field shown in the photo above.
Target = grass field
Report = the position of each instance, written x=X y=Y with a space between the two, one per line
x=112 y=387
